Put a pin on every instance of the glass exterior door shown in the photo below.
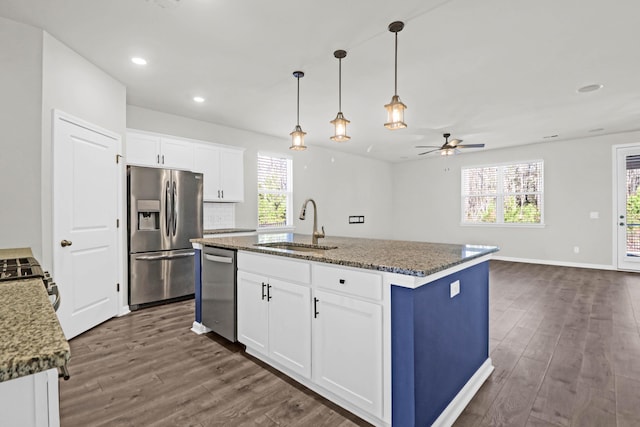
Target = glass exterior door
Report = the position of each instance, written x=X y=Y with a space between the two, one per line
x=628 y=215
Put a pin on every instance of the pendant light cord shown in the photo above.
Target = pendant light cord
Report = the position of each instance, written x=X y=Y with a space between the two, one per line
x=298 y=103
x=395 y=85
x=339 y=84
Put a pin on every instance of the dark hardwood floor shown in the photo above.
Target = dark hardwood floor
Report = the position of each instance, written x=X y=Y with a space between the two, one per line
x=565 y=344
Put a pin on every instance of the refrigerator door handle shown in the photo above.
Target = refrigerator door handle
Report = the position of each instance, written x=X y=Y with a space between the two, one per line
x=159 y=257
x=167 y=211
x=173 y=208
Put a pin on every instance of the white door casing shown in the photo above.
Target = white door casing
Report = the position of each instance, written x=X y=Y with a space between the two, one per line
x=85 y=211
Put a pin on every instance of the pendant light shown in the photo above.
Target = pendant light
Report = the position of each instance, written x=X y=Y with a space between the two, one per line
x=340 y=123
x=297 y=135
x=395 y=109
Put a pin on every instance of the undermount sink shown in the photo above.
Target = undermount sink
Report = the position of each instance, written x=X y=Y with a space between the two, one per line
x=298 y=247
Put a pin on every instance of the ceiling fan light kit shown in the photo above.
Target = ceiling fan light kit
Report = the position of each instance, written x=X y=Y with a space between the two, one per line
x=449 y=148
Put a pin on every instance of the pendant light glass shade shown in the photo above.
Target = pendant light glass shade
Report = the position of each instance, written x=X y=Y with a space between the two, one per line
x=340 y=123
x=297 y=139
x=395 y=109
x=395 y=114
x=297 y=136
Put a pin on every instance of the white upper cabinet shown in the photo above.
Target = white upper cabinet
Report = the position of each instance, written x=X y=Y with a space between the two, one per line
x=223 y=170
x=176 y=154
x=159 y=151
x=222 y=166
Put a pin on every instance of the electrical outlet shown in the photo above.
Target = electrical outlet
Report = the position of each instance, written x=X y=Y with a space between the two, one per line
x=454 y=288
x=576 y=249
x=594 y=215
x=356 y=219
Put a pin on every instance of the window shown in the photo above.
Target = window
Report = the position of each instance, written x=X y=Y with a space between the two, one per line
x=503 y=194
x=274 y=191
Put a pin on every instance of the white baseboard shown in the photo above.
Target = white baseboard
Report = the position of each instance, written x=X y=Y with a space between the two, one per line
x=199 y=328
x=558 y=263
x=464 y=396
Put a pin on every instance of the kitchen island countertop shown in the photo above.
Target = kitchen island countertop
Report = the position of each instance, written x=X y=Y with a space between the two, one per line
x=31 y=339
x=417 y=259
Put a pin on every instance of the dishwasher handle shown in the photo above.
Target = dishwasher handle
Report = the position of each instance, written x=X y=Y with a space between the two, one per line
x=215 y=258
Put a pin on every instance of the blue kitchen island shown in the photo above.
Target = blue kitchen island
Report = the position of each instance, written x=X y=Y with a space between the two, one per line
x=395 y=331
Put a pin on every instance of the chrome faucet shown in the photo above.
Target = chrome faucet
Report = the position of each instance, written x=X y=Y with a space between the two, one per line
x=316 y=234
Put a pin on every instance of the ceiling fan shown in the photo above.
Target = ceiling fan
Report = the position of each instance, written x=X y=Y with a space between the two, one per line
x=449 y=148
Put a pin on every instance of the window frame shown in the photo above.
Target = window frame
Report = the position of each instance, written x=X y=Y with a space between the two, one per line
x=289 y=193
x=500 y=196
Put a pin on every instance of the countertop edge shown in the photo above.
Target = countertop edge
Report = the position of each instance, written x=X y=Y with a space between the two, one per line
x=376 y=267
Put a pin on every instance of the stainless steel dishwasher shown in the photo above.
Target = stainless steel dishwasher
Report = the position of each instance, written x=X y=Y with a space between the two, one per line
x=219 y=291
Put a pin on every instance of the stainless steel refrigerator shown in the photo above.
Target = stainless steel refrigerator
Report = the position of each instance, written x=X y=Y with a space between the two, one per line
x=164 y=212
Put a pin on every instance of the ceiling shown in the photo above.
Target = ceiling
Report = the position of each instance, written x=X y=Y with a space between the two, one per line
x=499 y=72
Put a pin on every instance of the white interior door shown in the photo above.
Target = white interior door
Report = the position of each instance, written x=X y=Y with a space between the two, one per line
x=628 y=207
x=85 y=210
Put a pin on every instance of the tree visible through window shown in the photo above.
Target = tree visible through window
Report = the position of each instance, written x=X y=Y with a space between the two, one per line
x=274 y=191
x=503 y=194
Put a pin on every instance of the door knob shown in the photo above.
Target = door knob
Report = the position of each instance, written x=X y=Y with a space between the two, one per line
x=64 y=243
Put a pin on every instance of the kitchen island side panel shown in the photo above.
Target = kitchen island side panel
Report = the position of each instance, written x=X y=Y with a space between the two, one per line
x=198 y=285
x=450 y=342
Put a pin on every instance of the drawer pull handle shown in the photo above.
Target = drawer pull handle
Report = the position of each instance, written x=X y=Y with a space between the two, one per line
x=263 y=295
x=268 y=292
x=342 y=281
x=315 y=308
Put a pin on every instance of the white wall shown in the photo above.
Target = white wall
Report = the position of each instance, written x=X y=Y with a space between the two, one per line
x=75 y=86
x=341 y=184
x=578 y=180
x=20 y=118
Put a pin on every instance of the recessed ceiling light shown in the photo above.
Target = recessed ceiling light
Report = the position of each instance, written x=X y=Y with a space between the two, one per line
x=139 y=61
x=590 y=88
x=198 y=99
x=596 y=130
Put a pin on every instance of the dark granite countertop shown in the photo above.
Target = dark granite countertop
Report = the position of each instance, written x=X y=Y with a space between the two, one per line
x=31 y=339
x=417 y=259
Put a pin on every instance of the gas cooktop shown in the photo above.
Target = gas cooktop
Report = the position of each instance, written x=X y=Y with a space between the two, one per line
x=20 y=268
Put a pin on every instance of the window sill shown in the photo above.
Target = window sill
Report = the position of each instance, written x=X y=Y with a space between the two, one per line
x=268 y=230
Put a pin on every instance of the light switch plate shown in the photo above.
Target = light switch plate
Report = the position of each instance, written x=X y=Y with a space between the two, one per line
x=454 y=288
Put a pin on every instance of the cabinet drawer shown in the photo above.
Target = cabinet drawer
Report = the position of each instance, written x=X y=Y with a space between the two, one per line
x=275 y=266
x=358 y=283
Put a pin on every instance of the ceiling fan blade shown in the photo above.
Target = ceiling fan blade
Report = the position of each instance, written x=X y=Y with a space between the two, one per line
x=454 y=142
x=427 y=146
x=470 y=146
x=427 y=152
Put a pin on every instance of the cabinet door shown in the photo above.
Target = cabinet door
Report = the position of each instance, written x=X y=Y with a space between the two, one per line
x=252 y=311
x=347 y=349
x=143 y=150
x=290 y=326
x=176 y=154
x=207 y=161
x=232 y=175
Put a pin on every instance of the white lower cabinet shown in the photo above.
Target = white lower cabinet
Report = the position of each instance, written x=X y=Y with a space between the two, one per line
x=329 y=329
x=274 y=318
x=30 y=401
x=347 y=349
